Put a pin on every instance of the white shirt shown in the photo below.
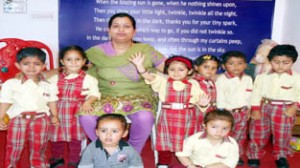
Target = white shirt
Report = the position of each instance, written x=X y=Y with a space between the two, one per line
x=233 y=92
x=203 y=153
x=89 y=85
x=28 y=96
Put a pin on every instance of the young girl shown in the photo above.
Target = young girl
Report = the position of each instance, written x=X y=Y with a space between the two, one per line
x=77 y=90
x=179 y=96
x=213 y=148
x=206 y=67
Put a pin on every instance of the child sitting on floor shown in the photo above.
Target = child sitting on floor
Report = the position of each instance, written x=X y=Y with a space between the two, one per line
x=110 y=150
x=213 y=147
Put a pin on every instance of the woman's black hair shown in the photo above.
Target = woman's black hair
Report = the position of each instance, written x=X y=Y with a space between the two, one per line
x=131 y=18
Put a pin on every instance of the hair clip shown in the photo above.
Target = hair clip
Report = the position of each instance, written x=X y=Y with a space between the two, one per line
x=207 y=57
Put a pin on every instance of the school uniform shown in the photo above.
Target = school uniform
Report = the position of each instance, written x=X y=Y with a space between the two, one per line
x=30 y=120
x=74 y=89
x=95 y=156
x=201 y=152
x=209 y=87
x=234 y=94
x=273 y=93
x=177 y=119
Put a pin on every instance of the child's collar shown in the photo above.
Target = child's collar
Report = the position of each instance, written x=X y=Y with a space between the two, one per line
x=24 y=78
x=230 y=76
x=289 y=72
x=65 y=73
x=185 y=80
x=200 y=77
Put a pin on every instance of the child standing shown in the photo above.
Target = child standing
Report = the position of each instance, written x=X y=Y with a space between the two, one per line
x=213 y=147
x=109 y=150
x=206 y=67
x=276 y=97
x=179 y=96
x=234 y=90
x=27 y=101
x=77 y=90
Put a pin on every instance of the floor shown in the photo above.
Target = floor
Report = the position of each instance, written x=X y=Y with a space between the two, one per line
x=148 y=156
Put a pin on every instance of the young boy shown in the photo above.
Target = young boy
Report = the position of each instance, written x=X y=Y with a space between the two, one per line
x=213 y=147
x=27 y=101
x=234 y=90
x=109 y=150
x=275 y=99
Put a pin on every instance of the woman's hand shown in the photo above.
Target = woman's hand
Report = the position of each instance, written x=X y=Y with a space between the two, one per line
x=137 y=59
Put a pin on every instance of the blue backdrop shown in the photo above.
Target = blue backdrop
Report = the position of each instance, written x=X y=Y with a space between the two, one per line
x=189 y=27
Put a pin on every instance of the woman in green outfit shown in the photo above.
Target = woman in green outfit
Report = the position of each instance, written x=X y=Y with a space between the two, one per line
x=122 y=89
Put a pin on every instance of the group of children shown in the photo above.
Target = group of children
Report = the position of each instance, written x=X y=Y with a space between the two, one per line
x=32 y=102
x=271 y=102
x=203 y=119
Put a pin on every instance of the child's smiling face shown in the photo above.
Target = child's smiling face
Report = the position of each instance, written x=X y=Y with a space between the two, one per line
x=178 y=70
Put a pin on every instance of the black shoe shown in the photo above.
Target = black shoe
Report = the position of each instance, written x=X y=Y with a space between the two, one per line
x=240 y=162
x=253 y=163
x=56 y=162
x=282 y=163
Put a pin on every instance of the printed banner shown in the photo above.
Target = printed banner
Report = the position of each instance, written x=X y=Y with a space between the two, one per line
x=189 y=27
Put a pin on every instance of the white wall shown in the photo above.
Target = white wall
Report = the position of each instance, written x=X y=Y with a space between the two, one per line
x=286 y=27
x=41 y=23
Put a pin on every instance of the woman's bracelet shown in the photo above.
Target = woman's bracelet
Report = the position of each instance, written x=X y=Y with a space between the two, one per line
x=143 y=71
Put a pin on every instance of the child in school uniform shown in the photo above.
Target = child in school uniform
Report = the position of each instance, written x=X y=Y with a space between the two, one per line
x=28 y=100
x=275 y=100
x=212 y=148
x=77 y=91
x=109 y=150
x=206 y=67
x=234 y=89
x=179 y=96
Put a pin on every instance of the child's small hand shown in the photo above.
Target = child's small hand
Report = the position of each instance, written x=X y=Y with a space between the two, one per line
x=256 y=115
x=291 y=111
x=3 y=125
x=87 y=108
x=137 y=59
x=55 y=121
x=204 y=100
